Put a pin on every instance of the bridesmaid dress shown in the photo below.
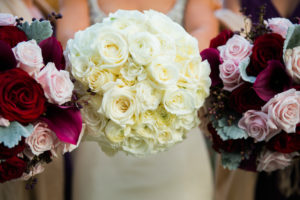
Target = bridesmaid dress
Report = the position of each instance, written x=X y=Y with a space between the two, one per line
x=182 y=173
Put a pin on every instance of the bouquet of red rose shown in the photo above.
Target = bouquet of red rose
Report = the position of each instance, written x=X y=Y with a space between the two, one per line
x=254 y=106
x=38 y=117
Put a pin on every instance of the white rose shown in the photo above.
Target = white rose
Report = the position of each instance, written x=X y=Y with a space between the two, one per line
x=29 y=55
x=137 y=146
x=116 y=133
x=112 y=48
x=163 y=73
x=148 y=97
x=186 y=48
x=178 y=101
x=97 y=78
x=197 y=71
x=167 y=46
x=187 y=122
x=147 y=126
x=119 y=105
x=292 y=62
x=131 y=71
x=143 y=47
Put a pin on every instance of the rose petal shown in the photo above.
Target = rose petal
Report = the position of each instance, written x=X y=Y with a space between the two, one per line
x=52 y=52
x=65 y=122
x=7 y=58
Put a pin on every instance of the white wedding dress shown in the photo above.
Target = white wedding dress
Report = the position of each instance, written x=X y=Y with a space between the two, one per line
x=182 y=173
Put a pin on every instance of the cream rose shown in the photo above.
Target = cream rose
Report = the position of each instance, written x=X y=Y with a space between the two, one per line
x=42 y=139
x=236 y=49
x=178 y=101
x=292 y=62
x=270 y=161
x=163 y=73
x=256 y=126
x=230 y=75
x=120 y=106
x=187 y=121
x=137 y=146
x=29 y=56
x=97 y=78
x=132 y=71
x=147 y=96
x=116 y=133
x=143 y=47
x=58 y=87
x=284 y=111
x=279 y=25
x=7 y=19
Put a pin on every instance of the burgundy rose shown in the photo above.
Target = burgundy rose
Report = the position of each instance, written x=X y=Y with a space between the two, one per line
x=6 y=152
x=272 y=80
x=21 y=97
x=12 y=168
x=266 y=47
x=245 y=98
x=7 y=57
x=213 y=57
x=221 y=39
x=53 y=52
x=12 y=35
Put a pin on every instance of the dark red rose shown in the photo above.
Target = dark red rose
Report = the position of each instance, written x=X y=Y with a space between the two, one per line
x=245 y=98
x=213 y=57
x=272 y=80
x=221 y=39
x=7 y=57
x=53 y=52
x=266 y=47
x=296 y=86
x=21 y=97
x=6 y=152
x=12 y=35
x=12 y=168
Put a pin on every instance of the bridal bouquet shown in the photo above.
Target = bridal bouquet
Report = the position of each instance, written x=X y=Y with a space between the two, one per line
x=37 y=117
x=254 y=106
x=141 y=81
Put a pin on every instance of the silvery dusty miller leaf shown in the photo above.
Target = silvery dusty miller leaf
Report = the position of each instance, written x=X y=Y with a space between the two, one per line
x=37 y=30
x=231 y=161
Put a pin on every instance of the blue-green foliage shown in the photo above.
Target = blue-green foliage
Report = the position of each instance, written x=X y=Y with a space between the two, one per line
x=231 y=161
x=37 y=30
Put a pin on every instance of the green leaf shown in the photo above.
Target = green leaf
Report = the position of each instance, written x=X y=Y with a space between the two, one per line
x=292 y=38
x=231 y=161
x=37 y=30
x=243 y=67
x=10 y=136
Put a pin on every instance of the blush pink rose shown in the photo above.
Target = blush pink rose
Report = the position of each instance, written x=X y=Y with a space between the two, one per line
x=4 y=122
x=7 y=19
x=57 y=85
x=29 y=56
x=279 y=25
x=284 y=111
x=270 y=161
x=236 y=49
x=292 y=62
x=42 y=139
x=37 y=169
x=255 y=124
x=230 y=75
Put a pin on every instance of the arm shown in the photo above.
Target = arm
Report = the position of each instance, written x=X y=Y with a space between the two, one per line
x=233 y=5
x=201 y=22
x=75 y=17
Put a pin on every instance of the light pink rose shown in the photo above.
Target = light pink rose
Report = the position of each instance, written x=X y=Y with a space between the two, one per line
x=236 y=49
x=255 y=124
x=270 y=161
x=37 y=169
x=57 y=85
x=29 y=55
x=7 y=19
x=4 y=122
x=279 y=25
x=292 y=62
x=42 y=139
x=284 y=111
x=230 y=75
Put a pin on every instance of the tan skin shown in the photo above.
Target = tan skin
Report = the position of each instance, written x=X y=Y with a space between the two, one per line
x=284 y=7
x=199 y=16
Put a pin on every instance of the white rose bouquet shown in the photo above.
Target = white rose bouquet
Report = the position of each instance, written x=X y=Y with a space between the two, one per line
x=141 y=80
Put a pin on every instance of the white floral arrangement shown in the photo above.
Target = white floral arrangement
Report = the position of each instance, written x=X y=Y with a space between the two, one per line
x=141 y=80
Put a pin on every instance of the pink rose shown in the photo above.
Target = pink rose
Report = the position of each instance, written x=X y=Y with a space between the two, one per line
x=270 y=161
x=279 y=25
x=292 y=62
x=230 y=75
x=284 y=111
x=42 y=139
x=7 y=19
x=29 y=55
x=255 y=124
x=4 y=122
x=58 y=87
x=236 y=49
x=37 y=169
